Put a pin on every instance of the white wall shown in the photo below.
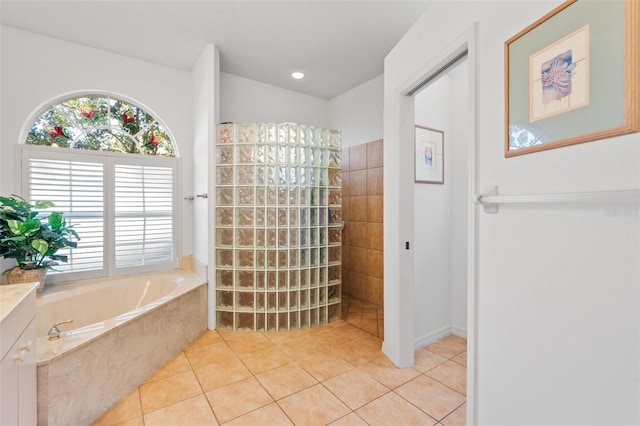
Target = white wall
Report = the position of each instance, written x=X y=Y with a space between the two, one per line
x=206 y=81
x=432 y=242
x=36 y=69
x=440 y=241
x=248 y=101
x=556 y=332
x=460 y=195
x=358 y=113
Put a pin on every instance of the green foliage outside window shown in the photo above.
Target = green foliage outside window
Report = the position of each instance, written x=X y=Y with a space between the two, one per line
x=101 y=123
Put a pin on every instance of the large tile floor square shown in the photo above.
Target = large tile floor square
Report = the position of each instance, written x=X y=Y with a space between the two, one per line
x=332 y=374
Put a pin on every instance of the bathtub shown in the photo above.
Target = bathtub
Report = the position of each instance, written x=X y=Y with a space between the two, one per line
x=123 y=330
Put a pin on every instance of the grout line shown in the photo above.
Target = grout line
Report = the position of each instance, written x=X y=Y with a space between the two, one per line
x=294 y=360
x=140 y=401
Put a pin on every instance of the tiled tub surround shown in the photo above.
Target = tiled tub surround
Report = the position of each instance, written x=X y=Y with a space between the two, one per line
x=91 y=367
x=362 y=265
x=278 y=226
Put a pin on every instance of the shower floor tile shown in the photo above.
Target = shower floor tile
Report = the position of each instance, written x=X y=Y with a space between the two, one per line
x=332 y=374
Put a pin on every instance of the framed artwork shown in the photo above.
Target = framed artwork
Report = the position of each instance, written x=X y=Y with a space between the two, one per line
x=573 y=76
x=429 y=155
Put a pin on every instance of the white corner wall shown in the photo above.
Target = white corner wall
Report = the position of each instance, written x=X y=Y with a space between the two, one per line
x=556 y=337
x=441 y=228
x=206 y=106
x=432 y=242
x=358 y=113
x=36 y=69
x=249 y=101
x=459 y=147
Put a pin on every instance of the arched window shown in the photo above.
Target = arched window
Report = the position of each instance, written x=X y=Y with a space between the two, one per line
x=101 y=123
x=111 y=167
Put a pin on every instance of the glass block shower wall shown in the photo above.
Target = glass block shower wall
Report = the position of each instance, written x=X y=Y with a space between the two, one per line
x=278 y=226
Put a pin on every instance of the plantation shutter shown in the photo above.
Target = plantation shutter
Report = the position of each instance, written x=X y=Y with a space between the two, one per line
x=77 y=189
x=143 y=215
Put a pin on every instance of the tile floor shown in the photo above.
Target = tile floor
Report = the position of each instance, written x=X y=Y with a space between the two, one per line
x=366 y=316
x=333 y=374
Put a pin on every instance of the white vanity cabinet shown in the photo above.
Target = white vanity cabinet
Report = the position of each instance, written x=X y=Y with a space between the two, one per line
x=18 y=362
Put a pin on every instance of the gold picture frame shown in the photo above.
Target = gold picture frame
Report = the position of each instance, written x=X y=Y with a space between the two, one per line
x=573 y=76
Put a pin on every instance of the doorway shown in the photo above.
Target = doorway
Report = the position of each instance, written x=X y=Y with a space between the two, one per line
x=441 y=205
x=400 y=259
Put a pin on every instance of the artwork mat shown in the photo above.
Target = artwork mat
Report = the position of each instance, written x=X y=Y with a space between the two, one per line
x=427 y=137
x=578 y=43
x=628 y=102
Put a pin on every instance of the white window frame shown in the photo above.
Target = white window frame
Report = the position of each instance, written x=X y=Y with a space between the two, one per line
x=108 y=159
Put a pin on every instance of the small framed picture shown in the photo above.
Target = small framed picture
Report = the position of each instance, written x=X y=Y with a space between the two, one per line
x=429 y=155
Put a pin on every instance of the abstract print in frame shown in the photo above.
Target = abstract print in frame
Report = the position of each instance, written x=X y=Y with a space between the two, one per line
x=429 y=155
x=559 y=76
x=573 y=76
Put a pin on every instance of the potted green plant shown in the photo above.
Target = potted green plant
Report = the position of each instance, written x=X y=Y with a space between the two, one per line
x=32 y=238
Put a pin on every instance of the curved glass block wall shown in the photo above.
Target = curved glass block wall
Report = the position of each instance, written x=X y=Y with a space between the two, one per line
x=278 y=226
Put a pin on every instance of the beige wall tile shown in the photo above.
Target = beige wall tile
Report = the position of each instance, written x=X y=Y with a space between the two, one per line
x=346 y=181
x=375 y=181
x=375 y=154
x=358 y=260
x=346 y=209
x=346 y=241
x=358 y=208
x=375 y=208
x=357 y=183
x=358 y=285
x=358 y=157
x=345 y=159
x=375 y=290
x=375 y=261
x=346 y=255
x=358 y=234
x=375 y=236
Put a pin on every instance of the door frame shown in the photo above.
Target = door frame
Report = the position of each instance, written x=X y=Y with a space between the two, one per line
x=399 y=279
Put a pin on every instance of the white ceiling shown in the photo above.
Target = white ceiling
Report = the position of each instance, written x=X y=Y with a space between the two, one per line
x=339 y=44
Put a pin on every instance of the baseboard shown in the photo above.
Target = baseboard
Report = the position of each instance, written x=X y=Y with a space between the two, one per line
x=438 y=334
x=431 y=337
x=459 y=331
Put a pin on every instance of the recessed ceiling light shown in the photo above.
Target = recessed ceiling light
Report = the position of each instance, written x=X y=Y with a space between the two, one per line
x=297 y=75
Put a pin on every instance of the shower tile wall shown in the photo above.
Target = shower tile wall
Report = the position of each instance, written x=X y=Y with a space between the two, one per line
x=278 y=226
x=362 y=189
